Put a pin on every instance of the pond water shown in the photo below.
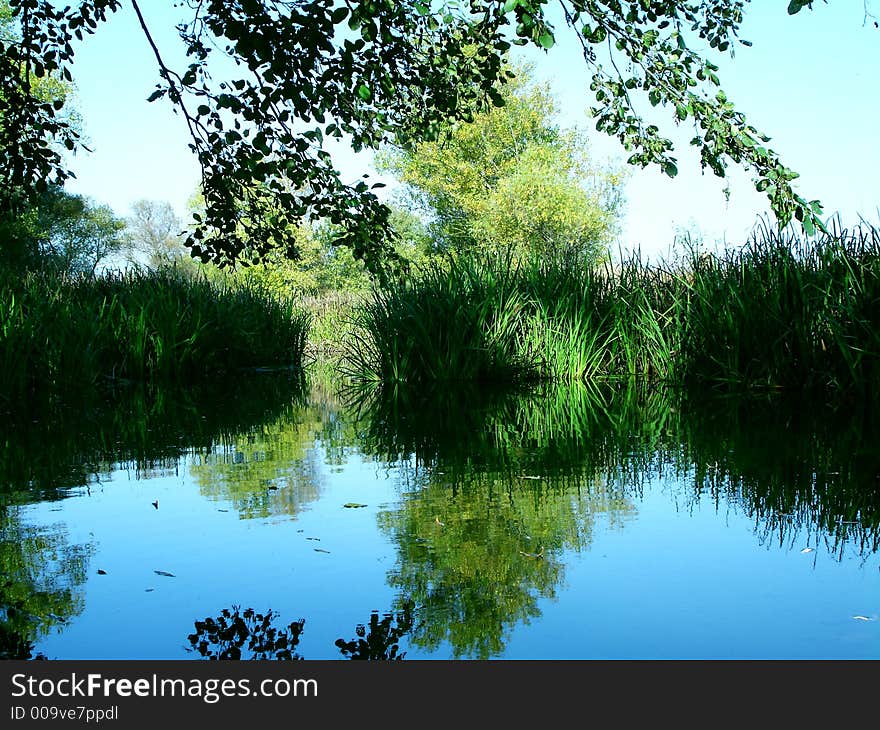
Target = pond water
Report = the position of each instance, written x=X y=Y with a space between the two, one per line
x=563 y=523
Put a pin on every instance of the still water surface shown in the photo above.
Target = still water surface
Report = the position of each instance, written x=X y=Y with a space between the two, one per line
x=565 y=523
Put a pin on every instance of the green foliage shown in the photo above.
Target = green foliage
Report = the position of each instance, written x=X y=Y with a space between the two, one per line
x=322 y=270
x=787 y=313
x=61 y=336
x=377 y=72
x=35 y=125
x=782 y=312
x=332 y=326
x=485 y=318
x=60 y=232
x=75 y=236
x=511 y=180
x=318 y=269
x=457 y=322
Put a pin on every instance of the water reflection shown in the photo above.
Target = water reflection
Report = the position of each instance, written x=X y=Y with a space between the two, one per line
x=47 y=456
x=497 y=492
x=146 y=432
x=498 y=487
x=237 y=634
x=245 y=634
x=277 y=469
x=379 y=639
x=794 y=467
x=41 y=576
x=790 y=464
x=483 y=502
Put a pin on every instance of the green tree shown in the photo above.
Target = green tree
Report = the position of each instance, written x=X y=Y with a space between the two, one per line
x=378 y=71
x=511 y=179
x=154 y=234
x=63 y=233
x=23 y=216
x=74 y=234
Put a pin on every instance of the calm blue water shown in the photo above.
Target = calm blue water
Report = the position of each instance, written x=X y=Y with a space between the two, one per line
x=567 y=524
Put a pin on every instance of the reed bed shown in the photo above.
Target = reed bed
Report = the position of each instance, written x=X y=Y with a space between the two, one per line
x=781 y=312
x=61 y=336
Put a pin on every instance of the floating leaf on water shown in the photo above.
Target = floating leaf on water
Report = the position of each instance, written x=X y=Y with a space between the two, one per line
x=102 y=572
x=165 y=573
x=806 y=550
x=321 y=550
x=353 y=505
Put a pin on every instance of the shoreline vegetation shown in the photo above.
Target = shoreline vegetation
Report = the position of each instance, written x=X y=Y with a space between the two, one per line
x=780 y=313
x=66 y=338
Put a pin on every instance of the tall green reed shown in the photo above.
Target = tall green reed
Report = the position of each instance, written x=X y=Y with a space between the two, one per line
x=784 y=312
x=780 y=312
x=59 y=335
x=450 y=322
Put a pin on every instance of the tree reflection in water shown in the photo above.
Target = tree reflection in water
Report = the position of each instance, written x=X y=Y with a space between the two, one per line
x=41 y=579
x=497 y=486
x=237 y=634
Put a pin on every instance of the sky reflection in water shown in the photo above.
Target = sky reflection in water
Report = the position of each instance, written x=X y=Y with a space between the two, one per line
x=567 y=522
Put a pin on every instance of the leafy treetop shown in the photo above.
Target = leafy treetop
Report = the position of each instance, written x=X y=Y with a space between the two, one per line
x=512 y=180
x=373 y=71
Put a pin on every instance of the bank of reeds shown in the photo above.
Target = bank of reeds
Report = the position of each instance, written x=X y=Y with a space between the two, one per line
x=60 y=337
x=457 y=322
x=779 y=312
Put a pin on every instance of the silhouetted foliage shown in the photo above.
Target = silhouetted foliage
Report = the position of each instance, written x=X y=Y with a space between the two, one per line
x=381 y=642
x=374 y=72
x=235 y=632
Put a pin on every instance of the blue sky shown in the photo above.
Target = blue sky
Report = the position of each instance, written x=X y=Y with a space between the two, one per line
x=811 y=82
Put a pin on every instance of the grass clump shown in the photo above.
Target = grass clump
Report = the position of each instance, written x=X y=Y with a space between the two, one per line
x=483 y=318
x=60 y=335
x=779 y=313
x=784 y=312
x=458 y=321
